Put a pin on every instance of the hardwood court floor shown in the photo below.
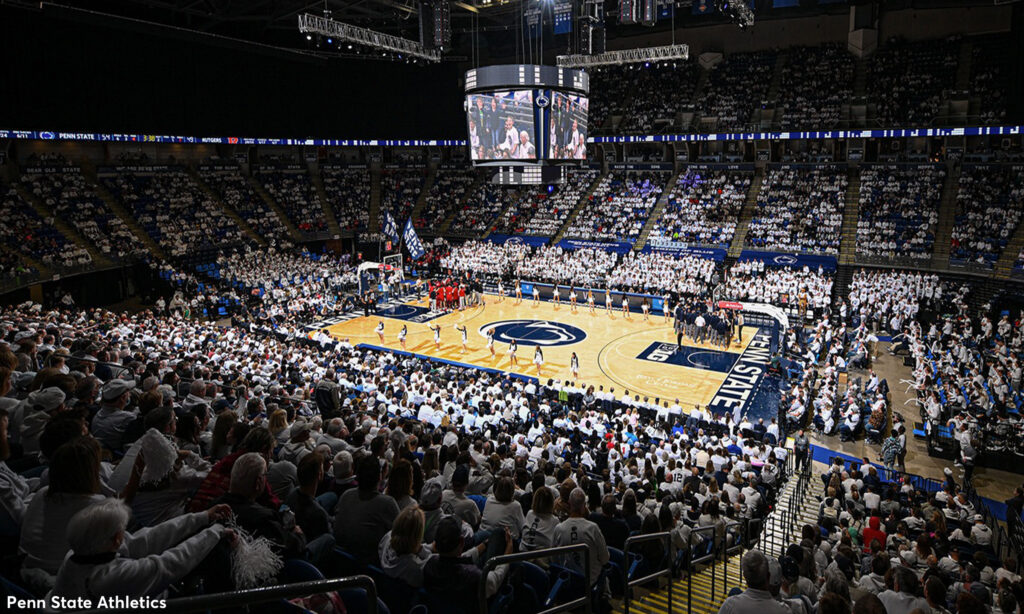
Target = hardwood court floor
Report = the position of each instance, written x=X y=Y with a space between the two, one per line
x=614 y=351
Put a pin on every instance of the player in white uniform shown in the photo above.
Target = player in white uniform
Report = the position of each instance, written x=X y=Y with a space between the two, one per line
x=574 y=366
x=462 y=329
x=557 y=295
x=512 y=347
x=538 y=359
x=401 y=335
x=490 y=340
x=380 y=331
x=437 y=334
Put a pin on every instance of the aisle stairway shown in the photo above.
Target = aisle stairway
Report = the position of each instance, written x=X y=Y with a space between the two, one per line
x=421 y=200
x=947 y=216
x=374 y=225
x=576 y=210
x=89 y=172
x=710 y=586
x=293 y=231
x=746 y=214
x=99 y=260
x=325 y=203
x=481 y=177
x=851 y=215
x=1004 y=266
x=659 y=208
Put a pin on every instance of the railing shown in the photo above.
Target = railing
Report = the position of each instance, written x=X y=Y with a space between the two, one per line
x=708 y=533
x=666 y=537
x=584 y=601
x=238 y=600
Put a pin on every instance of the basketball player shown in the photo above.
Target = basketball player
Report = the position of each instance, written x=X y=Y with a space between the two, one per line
x=536 y=296
x=625 y=306
x=401 y=335
x=462 y=329
x=538 y=359
x=574 y=366
x=437 y=334
x=490 y=340
x=512 y=347
x=519 y=292
x=590 y=300
x=557 y=295
x=380 y=331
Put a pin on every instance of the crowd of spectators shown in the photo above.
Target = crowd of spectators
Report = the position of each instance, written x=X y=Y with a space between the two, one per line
x=478 y=211
x=788 y=287
x=348 y=194
x=907 y=81
x=582 y=267
x=294 y=192
x=451 y=186
x=71 y=199
x=237 y=193
x=660 y=273
x=619 y=207
x=484 y=257
x=173 y=210
x=542 y=212
x=736 y=91
x=24 y=232
x=989 y=206
x=660 y=92
x=800 y=209
x=399 y=191
x=816 y=83
x=703 y=207
x=989 y=66
x=899 y=208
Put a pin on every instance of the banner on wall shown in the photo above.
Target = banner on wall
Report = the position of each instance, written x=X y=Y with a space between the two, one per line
x=619 y=247
x=813 y=261
x=502 y=239
x=672 y=247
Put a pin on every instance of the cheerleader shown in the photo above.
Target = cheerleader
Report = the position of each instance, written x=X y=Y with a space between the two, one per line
x=437 y=334
x=519 y=292
x=512 y=347
x=590 y=300
x=665 y=306
x=380 y=331
x=608 y=300
x=625 y=305
x=572 y=298
x=462 y=329
x=401 y=335
x=536 y=295
x=645 y=306
x=557 y=296
x=501 y=291
x=574 y=366
x=538 y=359
x=490 y=340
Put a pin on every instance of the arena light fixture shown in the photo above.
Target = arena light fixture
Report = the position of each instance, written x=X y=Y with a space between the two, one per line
x=325 y=26
x=626 y=56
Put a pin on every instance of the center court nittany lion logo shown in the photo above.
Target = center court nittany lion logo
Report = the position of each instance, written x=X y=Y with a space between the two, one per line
x=534 y=332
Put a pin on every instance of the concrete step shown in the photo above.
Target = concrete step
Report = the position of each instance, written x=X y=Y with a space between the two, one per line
x=89 y=172
x=227 y=209
x=293 y=230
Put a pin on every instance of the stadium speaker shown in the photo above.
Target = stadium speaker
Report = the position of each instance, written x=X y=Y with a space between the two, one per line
x=649 y=12
x=436 y=24
x=629 y=11
x=592 y=39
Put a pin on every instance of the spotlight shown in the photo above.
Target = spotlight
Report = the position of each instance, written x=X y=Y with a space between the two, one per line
x=309 y=37
x=350 y=46
x=330 y=41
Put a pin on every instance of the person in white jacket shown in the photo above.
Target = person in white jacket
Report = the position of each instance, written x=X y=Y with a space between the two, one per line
x=107 y=561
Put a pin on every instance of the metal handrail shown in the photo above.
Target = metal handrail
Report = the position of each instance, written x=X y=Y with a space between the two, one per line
x=264 y=594
x=542 y=554
x=667 y=571
x=709 y=534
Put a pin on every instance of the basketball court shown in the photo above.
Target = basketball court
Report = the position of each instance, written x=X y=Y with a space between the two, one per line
x=614 y=351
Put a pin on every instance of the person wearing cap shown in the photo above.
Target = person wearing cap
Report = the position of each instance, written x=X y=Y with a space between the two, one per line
x=42 y=405
x=299 y=442
x=981 y=533
x=112 y=420
x=757 y=599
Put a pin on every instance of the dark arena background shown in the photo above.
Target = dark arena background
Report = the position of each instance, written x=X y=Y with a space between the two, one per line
x=512 y=306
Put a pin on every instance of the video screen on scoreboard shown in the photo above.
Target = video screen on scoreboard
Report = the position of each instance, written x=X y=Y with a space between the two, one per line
x=501 y=125
x=568 y=140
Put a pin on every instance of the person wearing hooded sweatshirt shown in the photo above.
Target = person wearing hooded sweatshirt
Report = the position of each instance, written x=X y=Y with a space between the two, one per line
x=874 y=582
x=873 y=532
x=402 y=551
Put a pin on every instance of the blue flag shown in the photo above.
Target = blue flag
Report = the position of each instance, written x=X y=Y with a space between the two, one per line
x=389 y=227
x=412 y=241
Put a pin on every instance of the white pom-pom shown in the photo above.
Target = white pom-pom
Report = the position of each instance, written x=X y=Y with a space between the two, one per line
x=254 y=561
